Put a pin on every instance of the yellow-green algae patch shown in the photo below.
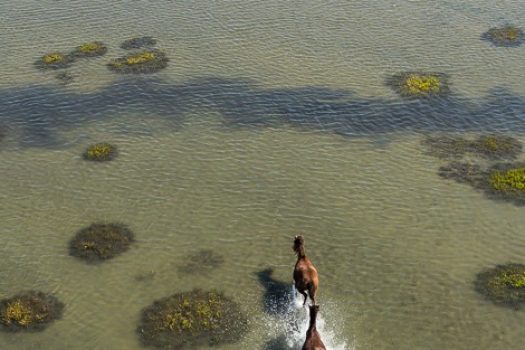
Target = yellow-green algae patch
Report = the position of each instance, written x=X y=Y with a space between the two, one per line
x=192 y=319
x=419 y=84
x=503 y=285
x=29 y=311
x=146 y=61
x=507 y=35
x=510 y=180
x=91 y=49
x=54 y=60
x=100 y=152
x=100 y=242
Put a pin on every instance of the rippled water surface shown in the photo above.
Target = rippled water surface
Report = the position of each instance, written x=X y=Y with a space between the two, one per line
x=272 y=119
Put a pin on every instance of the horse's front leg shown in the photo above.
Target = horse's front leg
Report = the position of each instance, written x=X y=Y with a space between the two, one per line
x=305 y=296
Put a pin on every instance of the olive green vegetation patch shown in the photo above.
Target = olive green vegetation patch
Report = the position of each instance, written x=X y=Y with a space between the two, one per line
x=503 y=285
x=507 y=36
x=29 y=311
x=192 y=319
x=90 y=49
x=54 y=60
x=146 y=61
x=100 y=242
x=100 y=152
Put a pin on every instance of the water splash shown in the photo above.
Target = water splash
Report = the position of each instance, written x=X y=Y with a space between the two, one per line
x=289 y=328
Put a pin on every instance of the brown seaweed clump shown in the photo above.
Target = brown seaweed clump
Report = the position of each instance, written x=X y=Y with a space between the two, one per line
x=191 y=319
x=508 y=36
x=54 y=60
x=493 y=146
x=503 y=285
x=203 y=261
x=90 y=49
x=496 y=146
x=3 y=132
x=138 y=43
x=29 y=311
x=445 y=146
x=462 y=172
x=100 y=152
x=419 y=84
x=100 y=242
x=146 y=276
x=146 y=61
x=64 y=78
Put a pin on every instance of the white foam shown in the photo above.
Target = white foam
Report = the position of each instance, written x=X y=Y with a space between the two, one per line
x=291 y=326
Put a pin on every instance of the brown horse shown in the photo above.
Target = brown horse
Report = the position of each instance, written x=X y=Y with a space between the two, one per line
x=313 y=339
x=304 y=273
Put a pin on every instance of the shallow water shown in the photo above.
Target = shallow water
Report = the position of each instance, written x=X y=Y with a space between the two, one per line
x=270 y=120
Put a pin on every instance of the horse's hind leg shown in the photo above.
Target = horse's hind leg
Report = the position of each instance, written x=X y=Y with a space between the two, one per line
x=311 y=291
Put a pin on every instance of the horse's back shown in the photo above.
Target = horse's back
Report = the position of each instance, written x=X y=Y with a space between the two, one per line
x=313 y=342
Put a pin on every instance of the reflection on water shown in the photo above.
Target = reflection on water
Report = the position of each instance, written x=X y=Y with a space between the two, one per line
x=271 y=120
x=38 y=113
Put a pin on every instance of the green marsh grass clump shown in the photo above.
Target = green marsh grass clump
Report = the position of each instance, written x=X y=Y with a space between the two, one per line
x=507 y=35
x=138 y=43
x=90 y=49
x=100 y=242
x=146 y=61
x=203 y=261
x=493 y=146
x=503 y=285
x=419 y=84
x=192 y=319
x=29 y=311
x=54 y=60
x=100 y=152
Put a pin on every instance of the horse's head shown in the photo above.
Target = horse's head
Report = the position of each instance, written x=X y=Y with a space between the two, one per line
x=314 y=309
x=297 y=243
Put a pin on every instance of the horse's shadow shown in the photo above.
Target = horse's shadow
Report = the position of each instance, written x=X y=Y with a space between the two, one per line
x=278 y=343
x=278 y=295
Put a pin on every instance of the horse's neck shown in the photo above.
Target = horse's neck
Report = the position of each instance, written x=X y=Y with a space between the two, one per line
x=301 y=253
